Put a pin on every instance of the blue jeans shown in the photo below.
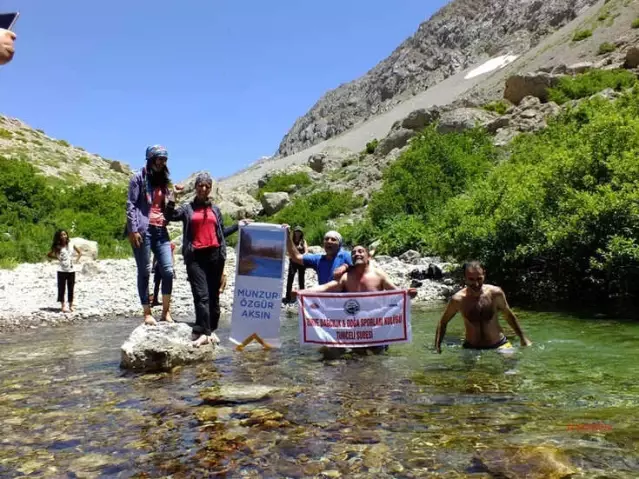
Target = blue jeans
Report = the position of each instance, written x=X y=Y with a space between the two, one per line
x=156 y=239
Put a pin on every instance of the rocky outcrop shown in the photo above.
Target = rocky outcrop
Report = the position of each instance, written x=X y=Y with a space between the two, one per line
x=274 y=202
x=395 y=139
x=162 y=347
x=461 y=119
x=537 y=84
x=329 y=159
x=632 y=58
x=459 y=35
x=88 y=248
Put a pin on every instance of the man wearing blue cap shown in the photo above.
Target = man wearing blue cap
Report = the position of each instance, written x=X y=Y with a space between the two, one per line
x=146 y=228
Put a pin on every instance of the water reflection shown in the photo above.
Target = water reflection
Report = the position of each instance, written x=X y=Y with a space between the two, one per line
x=66 y=410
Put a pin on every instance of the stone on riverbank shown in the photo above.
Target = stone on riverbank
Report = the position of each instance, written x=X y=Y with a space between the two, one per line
x=162 y=347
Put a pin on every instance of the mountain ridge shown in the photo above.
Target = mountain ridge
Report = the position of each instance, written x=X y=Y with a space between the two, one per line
x=456 y=36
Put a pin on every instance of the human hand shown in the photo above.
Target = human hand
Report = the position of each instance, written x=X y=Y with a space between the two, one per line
x=246 y=221
x=286 y=227
x=135 y=239
x=339 y=271
x=412 y=292
x=525 y=342
x=7 y=46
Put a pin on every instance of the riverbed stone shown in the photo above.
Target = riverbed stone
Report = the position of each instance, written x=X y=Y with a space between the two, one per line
x=237 y=394
x=162 y=347
x=532 y=462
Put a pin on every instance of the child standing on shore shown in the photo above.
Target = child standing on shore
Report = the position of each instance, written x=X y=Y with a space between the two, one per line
x=61 y=250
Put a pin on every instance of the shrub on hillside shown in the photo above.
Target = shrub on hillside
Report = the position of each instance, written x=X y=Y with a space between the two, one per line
x=635 y=23
x=589 y=83
x=500 y=106
x=313 y=211
x=606 y=47
x=284 y=182
x=435 y=168
x=371 y=146
x=581 y=35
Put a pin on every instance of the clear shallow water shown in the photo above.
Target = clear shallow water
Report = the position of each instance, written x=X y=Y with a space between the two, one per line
x=568 y=404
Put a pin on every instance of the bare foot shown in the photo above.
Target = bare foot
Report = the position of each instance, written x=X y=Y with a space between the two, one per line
x=71 y=307
x=214 y=338
x=201 y=341
x=149 y=320
x=167 y=317
x=64 y=308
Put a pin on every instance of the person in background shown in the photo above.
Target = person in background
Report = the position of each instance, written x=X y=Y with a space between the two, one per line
x=330 y=265
x=157 y=276
x=146 y=226
x=300 y=244
x=204 y=252
x=7 y=46
x=61 y=250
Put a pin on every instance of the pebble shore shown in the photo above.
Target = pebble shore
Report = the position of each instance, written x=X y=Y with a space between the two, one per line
x=106 y=289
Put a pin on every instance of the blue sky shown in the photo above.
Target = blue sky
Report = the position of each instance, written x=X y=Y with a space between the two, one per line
x=218 y=83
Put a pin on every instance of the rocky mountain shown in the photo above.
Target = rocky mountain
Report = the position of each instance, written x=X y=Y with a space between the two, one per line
x=456 y=37
x=57 y=158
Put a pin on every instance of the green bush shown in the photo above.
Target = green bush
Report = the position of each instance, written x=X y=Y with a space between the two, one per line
x=31 y=209
x=589 y=83
x=6 y=134
x=371 y=146
x=435 y=168
x=500 y=106
x=635 y=23
x=63 y=143
x=581 y=35
x=284 y=182
x=558 y=218
x=606 y=47
x=313 y=211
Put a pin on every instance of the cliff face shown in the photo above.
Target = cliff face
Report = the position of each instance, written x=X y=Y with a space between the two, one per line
x=459 y=35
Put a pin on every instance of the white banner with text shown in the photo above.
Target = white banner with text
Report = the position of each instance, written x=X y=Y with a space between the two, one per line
x=350 y=320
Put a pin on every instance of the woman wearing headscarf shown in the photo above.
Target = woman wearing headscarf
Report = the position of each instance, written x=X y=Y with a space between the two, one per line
x=204 y=252
x=146 y=227
x=302 y=247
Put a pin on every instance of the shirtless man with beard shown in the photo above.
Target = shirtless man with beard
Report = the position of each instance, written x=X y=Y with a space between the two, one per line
x=480 y=305
x=361 y=278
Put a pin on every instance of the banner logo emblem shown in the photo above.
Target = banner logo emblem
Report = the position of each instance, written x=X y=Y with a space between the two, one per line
x=351 y=307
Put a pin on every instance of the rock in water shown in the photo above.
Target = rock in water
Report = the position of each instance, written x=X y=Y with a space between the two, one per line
x=161 y=347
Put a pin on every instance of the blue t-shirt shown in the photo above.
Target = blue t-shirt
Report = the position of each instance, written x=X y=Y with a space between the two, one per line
x=324 y=266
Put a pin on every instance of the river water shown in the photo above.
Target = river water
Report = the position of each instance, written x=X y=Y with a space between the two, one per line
x=568 y=404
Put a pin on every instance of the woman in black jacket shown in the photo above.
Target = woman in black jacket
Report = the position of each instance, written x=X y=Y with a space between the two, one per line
x=204 y=252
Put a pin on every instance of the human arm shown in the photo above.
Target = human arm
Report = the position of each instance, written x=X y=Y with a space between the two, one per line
x=292 y=251
x=171 y=212
x=78 y=252
x=7 y=46
x=450 y=311
x=131 y=208
x=305 y=247
x=511 y=319
x=341 y=270
x=52 y=255
x=330 y=287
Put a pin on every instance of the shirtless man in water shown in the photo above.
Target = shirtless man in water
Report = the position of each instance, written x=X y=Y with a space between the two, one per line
x=480 y=305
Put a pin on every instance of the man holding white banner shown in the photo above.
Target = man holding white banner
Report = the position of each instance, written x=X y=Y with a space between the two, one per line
x=258 y=285
x=369 y=313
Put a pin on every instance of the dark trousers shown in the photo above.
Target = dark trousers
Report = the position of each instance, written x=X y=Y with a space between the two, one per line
x=292 y=269
x=65 y=280
x=204 y=272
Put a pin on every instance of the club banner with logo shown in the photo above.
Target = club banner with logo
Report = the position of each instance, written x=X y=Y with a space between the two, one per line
x=350 y=320
x=259 y=276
